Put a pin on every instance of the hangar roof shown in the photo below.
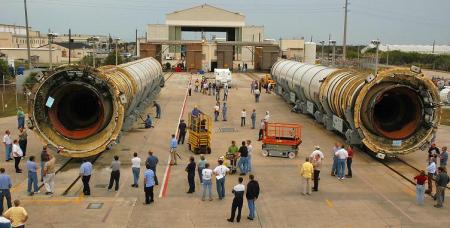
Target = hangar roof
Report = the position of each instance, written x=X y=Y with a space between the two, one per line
x=205 y=16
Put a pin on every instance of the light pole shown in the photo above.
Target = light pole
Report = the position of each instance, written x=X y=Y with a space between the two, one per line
x=94 y=40
x=377 y=45
x=28 y=35
x=333 y=60
x=117 y=40
x=322 y=43
x=50 y=35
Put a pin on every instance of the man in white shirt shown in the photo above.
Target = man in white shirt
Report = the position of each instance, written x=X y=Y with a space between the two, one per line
x=136 y=169
x=216 y=112
x=7 y=141
x=341 y=156
x=431 y=170
x=238 y=200
x=17 y=154
x=317 y=152
x=243 y=117
x=206 y=181
x=221 y=171
x=250 y=150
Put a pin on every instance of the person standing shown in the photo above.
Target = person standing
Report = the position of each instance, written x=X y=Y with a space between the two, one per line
x=443 y=157
x=217 y=93
x=317 y=165
x=432 y=151
x=243 y=117
x=253 y=117
x=306 y=172
x=341 y=156
x=232 y=156
x=152 y=161
x=173 y=150
x=85 y=173
x=420 y=187
x=32 y=176
x=190 y=169
x=225 y=92
x=335 y=165
x=115 y=174
x=349 y=161
x=20 y=118
x=190 y=89
x=250 y=151
x=135 y=169
x=5 y=186
x=257 y=95
x=252 y=195
x=224 y=111
x=216 y=112
x=267 y=117
x=317 y=152
x=221 y=171
x=238 y=200
x=17 y=214
x=243 y=160
x=252 y=87
x=182 y=132
x=209 y=89
x=44 y=158
x=431 y=171
x=158 y=109
x=7 y=141
x=207 y=182
x=49 y=175
x=23 y=140
x=196 y=84
x=17 y=154
x=200 y=166
x=442 y=180
x=149 y=182
x=262 y=127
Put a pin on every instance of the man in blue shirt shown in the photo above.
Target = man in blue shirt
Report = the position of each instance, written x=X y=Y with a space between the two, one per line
x=152 y=161
x=149 y=182
x=173 y=150
x=85 y=173
x=443 y=157
x=32 y=176
x=5 y=185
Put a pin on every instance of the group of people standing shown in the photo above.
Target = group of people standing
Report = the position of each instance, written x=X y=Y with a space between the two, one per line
x=16 y=148
x=209 y=88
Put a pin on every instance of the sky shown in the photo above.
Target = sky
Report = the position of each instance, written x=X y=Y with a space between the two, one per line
x=391 y=21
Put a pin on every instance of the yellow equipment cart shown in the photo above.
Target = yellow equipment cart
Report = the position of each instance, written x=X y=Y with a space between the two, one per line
x=200 y=133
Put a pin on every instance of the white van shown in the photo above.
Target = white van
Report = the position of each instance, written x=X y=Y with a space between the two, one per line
x=222 y=76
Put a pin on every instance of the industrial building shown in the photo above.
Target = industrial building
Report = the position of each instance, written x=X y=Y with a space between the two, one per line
x=242 y=44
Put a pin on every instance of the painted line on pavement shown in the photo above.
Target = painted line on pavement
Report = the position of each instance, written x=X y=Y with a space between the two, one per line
x=163 y=191
x=329 y=203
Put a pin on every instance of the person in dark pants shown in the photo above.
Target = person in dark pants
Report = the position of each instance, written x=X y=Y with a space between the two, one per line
x=115 y=173
x=190 y=89
x=349 y=160
x=17 y=154
x=23 y=140
x=152 y=161
x=261 y=130
x=158 y=109
x=182 y=128
x=190 y=169
x=252 y=195
x=85 y=173
x=238 y=201
x=5 y=186
x=317 y=164
x=149 y=182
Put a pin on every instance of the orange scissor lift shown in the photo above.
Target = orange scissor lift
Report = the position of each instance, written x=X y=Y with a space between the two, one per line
x=281 y=140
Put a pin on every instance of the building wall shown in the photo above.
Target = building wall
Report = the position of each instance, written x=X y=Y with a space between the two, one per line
x=157 y=32
x=6 y=40
x=293 y=48
x=250 y=34
x=205 y=15
x=42 y=53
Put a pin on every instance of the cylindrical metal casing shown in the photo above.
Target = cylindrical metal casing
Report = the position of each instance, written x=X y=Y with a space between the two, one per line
x=394 y=112
x=81 y=110
x=445 y=95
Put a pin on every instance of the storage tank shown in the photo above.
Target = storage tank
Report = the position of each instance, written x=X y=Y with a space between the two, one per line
x=395 y=112
x=81 y=111
x=310 y=52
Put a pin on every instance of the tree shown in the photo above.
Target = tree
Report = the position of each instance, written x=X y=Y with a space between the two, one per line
x=87 y=60
x=3 y=68
x=111 y=59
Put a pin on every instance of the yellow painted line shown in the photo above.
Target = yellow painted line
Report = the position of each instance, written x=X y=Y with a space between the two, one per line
x=18 y=186
x=38 y=200
x=329 y=203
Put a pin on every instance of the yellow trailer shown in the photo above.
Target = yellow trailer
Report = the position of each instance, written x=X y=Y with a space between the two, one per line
x=200 y=133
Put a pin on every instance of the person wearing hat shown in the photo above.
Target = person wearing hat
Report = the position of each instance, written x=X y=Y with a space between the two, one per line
x=317 y=152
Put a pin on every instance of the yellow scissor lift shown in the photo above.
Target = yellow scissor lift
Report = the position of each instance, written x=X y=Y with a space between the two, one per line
x=200 y=133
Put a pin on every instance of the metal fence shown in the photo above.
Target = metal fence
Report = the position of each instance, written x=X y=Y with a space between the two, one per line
x=11 y=98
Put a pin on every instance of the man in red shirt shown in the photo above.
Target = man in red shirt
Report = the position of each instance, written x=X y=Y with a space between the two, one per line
x=349 y=161
x=420 y=186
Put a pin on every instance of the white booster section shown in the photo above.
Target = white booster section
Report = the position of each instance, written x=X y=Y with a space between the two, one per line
x=310 y=52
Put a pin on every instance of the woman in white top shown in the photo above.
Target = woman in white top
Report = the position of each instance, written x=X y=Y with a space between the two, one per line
x=243 y=116
x=136 y=169
x=207 y=182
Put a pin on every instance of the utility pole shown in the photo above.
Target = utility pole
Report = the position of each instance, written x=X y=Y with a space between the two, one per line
x=28 y=35
x=136 y=45
x=333 y=61
x=387 y=55
x=344 y=45
x=117 y=40
x=50 y=41
x=70 y=43
x=434 y=43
